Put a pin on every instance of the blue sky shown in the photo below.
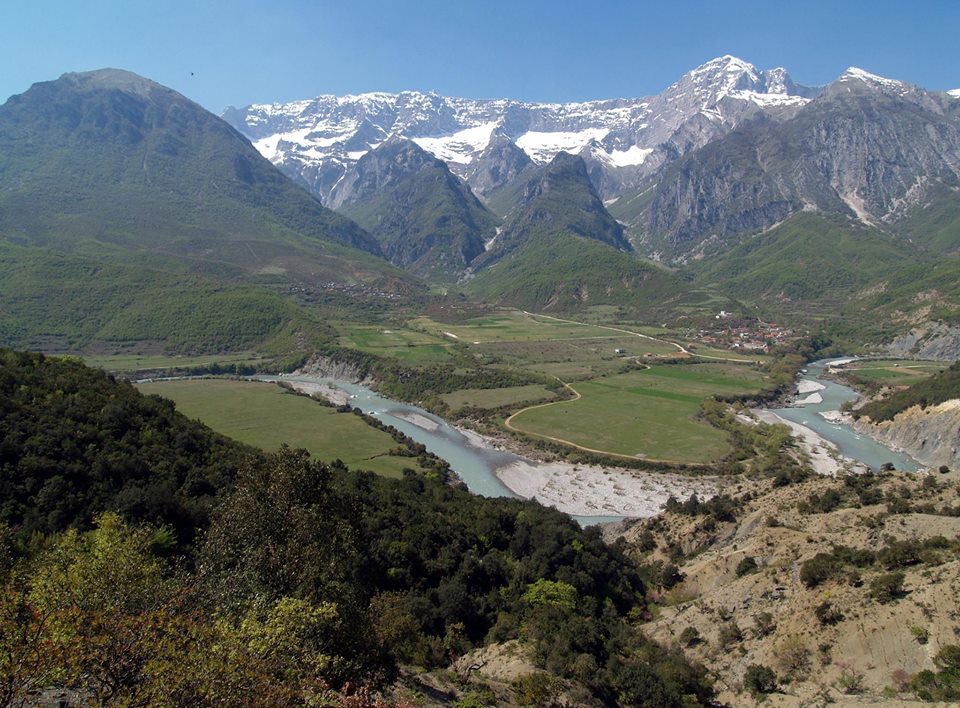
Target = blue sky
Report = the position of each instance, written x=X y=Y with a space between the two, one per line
x=245 y=51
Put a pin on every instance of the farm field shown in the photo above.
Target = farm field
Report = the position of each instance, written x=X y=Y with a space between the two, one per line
x=509 y=325
x=140 y=362
x=496 y=397
x=573 y=358
x=408 y=345
x=647 y=414
x=893 y=372
x=266 y=416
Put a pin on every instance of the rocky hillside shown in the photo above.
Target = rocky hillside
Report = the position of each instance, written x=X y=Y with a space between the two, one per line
x=829 y=590
x=926 y=434
x=922 y=419
x=868 y=147
x=425 y=219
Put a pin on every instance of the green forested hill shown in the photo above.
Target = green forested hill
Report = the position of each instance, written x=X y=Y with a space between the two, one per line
x=870 y=285
x=111 y=165
x=74 y=442
x=559 y=249
x=560 y=271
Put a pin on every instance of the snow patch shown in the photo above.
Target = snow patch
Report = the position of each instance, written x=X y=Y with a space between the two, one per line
x=766 y=100
x=462 y=146
x=955 y=93
x=634 y=155
x=543 y=147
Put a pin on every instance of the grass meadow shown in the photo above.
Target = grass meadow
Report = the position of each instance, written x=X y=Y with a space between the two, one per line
x=266 y=416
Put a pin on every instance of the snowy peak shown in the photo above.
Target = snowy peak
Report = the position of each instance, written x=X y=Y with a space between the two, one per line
x=955 y=93
x=856 y=74
x=729 y=78
x=725 y=74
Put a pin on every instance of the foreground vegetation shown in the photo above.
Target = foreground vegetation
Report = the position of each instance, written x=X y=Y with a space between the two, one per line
x=301 y=583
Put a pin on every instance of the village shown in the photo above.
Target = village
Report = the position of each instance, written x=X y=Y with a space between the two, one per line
x=742 y=333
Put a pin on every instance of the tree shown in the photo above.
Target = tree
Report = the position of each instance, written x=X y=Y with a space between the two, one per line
x=284 y=532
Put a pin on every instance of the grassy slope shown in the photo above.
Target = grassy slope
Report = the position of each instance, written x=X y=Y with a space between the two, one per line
x=809 y=257
x=48 y=299
x=563 y=271
x=869 y=285
x=266 y=416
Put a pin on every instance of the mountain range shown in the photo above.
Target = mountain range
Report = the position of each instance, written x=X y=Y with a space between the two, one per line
x=734 y=181
x=623 y=140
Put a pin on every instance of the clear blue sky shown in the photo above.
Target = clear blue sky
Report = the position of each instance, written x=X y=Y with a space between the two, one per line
x=245 y=51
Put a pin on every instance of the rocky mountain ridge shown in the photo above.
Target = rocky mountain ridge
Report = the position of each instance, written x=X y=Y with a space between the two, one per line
x=316 y=141
x=874 y=149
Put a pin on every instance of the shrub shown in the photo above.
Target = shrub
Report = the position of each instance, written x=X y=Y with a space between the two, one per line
x=760 y=680
x=670 y=576
x=942 y=685
x=537 y=689
x=850 y=680
x=765 y=624
x=820 y=568
x=793 y=657
x=827 y=614
x=887 y=587
x=729 y=634
x=746 y=566
x=690 y=636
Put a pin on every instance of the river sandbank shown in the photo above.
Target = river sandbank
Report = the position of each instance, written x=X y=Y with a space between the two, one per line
x=594 y=490
x=421 y=421
x=331 y=393
x=824 y=457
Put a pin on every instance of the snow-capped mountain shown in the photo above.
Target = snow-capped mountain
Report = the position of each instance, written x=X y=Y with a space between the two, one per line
x=621 y=140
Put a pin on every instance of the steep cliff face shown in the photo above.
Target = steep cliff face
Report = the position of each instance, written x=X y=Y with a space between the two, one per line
x=934 y=342
x=870 y=148
x=930 y=435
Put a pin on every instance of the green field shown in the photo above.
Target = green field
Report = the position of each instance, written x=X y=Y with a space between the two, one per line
x=265 y=416
x=646 y=413
x=509 y=325
x=141 y=362
x=408 y=345
x=496 y=397
x=894 y=372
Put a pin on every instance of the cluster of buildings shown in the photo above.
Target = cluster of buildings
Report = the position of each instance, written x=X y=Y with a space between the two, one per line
x=312 y=293
x=743 y=333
